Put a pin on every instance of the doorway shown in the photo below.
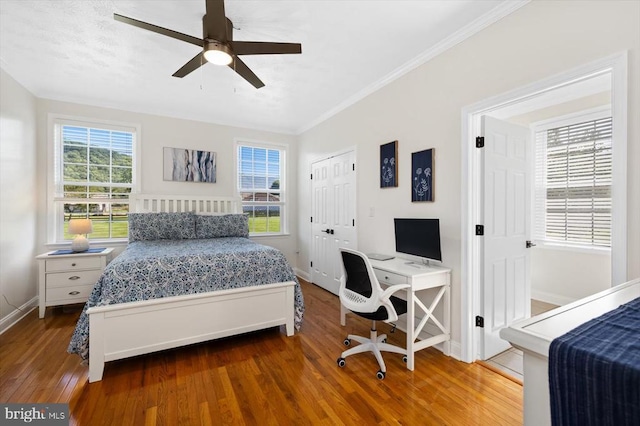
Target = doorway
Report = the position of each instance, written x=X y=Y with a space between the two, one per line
x=472 y=166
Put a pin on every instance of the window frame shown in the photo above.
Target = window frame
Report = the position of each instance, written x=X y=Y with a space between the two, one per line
x=283 y=204
x=55 y=220
x=539 y=198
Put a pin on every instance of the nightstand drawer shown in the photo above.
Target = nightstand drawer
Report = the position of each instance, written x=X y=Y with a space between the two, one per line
x=73 y=263
x=69 y=294
x=73 y=278
x=390 y=277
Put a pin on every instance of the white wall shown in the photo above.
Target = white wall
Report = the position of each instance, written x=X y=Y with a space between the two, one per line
x=422 y=110
x=563 y=276
x=158 y=132
x=18 y=198
x=563 y=108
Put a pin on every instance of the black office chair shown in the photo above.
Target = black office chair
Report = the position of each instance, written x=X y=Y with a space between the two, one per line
x=361 y=293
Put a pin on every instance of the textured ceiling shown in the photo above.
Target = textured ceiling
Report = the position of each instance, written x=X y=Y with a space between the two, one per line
x=73 y=50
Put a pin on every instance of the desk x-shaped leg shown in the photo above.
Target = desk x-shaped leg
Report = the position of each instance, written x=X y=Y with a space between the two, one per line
x=413 y=344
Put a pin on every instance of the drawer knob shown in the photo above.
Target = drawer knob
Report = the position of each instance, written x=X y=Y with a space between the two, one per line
x=386 y=278
x=73 y=264
x=74 y=293
x=75 y=277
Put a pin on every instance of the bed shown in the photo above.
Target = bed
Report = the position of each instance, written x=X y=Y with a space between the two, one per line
x=535 y=336
x=594 y=370
x=189 y=274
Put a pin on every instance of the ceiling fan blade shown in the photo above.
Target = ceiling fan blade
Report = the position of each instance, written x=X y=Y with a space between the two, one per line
x=159 y=30
x=264 y=48
x=190 y=66
x=241 y=68
x=215 y=21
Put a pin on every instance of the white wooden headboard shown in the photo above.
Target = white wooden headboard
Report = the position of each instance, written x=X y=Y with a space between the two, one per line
x=154 y=203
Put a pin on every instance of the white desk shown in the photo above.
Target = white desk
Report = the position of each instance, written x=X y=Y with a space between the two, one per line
x=534 y=336
x=419 y=277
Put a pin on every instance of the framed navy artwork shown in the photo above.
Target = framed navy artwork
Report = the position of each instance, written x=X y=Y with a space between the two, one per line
x=422 y=175
x=389 y=165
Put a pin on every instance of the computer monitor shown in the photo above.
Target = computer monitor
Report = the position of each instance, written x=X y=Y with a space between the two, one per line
x=418 y=237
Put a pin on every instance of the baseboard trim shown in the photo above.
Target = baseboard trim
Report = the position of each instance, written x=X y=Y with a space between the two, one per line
x=302 y=274
x=17 y=314
x=455 y=351
x=554 y=299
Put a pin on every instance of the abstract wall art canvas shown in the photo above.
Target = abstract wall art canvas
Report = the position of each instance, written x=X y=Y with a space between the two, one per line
x=189 y=165
x=422 y=175
x=389 y=165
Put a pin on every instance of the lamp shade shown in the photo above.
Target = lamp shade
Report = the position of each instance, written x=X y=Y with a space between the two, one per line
x=80 y=226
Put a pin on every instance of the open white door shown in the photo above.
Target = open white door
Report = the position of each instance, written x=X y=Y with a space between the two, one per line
x=507 y=227
x=333 y=217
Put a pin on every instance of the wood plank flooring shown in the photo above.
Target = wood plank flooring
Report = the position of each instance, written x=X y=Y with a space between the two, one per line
x=261 y=378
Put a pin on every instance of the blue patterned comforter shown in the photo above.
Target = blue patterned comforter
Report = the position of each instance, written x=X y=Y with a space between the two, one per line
x=163 y=268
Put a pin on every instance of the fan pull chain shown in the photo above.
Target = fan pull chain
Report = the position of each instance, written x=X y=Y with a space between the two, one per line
x=201 y=72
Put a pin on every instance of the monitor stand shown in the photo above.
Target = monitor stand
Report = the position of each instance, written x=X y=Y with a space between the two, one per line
x=425 y=262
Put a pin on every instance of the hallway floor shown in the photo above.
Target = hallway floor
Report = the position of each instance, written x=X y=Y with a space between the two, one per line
x=510 y=361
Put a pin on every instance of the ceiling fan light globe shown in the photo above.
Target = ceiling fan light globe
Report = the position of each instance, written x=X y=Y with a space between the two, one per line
x=217 y=54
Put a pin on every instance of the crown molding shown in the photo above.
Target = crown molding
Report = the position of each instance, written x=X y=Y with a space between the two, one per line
x=499 y=12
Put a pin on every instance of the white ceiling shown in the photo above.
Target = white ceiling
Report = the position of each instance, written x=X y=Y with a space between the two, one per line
x=73 y=50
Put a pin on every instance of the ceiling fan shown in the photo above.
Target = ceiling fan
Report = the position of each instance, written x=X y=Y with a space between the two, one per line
x=218 y=46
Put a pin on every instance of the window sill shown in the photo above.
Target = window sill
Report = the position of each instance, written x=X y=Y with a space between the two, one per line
x=576 y=249
x=283 y=234
x=93 y=243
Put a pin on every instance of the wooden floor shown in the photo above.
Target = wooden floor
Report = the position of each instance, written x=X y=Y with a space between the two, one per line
x=262 y=378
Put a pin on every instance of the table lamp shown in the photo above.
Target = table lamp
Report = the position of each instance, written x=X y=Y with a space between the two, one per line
x=80 y=227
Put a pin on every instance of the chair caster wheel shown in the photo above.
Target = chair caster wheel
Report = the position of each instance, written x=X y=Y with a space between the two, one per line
x=404 y=359
x=380 y=374
x=383 y=341
x=347 y=342
x=341 y=362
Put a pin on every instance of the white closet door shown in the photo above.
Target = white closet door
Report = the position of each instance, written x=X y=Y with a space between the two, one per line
x=333 y=214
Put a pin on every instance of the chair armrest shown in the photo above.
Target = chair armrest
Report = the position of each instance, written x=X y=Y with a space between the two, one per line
x=390 y=290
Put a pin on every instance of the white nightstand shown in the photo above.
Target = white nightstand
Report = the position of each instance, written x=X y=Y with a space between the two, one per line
x=69 y=278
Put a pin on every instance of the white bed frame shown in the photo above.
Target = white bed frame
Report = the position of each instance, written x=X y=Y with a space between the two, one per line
x=135 y=328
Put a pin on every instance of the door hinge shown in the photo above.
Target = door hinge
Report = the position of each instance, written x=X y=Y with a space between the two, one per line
x=479 y=321
x=311 y=219
x=480 y=142
x=311 y=264
x=353 y=222
x=353 y=167
x=311 y=176
x=479 y=229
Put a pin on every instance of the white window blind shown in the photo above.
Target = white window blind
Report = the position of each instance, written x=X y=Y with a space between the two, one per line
x=261 y=184
x=94 y=175
x=573 y=183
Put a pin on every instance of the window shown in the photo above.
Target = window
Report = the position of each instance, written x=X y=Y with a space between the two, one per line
x=94 y=170
x=573 y=181
x=261 y=186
